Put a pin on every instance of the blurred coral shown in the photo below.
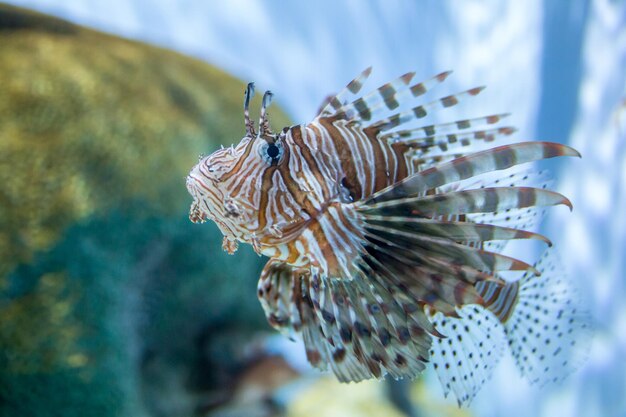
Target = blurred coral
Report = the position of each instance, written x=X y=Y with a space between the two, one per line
x=109 y=296
x=89 y=121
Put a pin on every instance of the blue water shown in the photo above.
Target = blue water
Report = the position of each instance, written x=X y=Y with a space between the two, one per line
x=559 y=66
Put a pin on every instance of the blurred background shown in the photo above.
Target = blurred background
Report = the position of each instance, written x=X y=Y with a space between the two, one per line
x=113 y=304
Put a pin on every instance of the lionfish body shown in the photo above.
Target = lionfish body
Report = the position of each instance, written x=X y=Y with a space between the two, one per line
x=385 y=242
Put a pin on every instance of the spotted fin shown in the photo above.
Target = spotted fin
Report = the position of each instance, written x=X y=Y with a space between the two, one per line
x=465 y=358
x=540 y=318
x=514 y=177
x=549 y=330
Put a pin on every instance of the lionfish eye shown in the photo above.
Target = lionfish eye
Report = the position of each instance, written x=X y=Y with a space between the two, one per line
x=272 y=153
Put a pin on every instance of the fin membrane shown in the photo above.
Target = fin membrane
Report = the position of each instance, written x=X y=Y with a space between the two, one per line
x=465 y=358
x=549 y=331
x=357 y=328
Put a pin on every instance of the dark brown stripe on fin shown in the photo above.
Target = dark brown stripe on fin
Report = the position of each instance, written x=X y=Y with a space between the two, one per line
x=388 y=93
x=442 y=76
x=363 y=109
x=355 y=85
x=420 y=112
x=463 y=124
x=449 y=101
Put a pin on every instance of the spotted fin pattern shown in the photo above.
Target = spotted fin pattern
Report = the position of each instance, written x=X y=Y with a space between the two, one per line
x=540 y=318
x=465 y=358
x=549 y=331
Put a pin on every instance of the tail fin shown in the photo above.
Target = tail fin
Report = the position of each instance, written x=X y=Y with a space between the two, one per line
x=538 y=317
x=548 y=330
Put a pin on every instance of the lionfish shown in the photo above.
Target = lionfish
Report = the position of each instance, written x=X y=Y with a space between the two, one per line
x=385 y=240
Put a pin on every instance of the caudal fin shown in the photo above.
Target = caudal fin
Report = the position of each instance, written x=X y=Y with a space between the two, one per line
x=548 y=331
x=540 y=318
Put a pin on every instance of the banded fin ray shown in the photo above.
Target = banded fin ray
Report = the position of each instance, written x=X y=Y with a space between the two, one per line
x=454 y=145
x=434 y=144
x=424 y=284
x=481 y=200
x=428 y=277
x=527 y=218
x=406 y=290
x=402 y=341
x=454 y=230
x=423 y=132
x=414 y=248
x=423 y=110
x=387 y=97
x=462 y=168
x=352 y=88
x=363 y=108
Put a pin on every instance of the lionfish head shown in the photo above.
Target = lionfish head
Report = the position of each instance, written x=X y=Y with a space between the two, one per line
x=225 y=184
x=206 y=184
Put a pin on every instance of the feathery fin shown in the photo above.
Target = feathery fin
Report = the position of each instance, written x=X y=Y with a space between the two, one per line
x=549 y=331
x=465 y=359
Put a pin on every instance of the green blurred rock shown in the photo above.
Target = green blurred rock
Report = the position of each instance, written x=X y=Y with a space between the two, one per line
x=105 y=286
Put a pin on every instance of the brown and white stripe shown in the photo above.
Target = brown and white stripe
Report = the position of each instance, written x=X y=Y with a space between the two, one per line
x=366 y=238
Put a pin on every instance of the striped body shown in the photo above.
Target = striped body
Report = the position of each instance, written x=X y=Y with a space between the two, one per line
x=379 y=233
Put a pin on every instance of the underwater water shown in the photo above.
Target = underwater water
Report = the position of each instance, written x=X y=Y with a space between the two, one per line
x=558 y=66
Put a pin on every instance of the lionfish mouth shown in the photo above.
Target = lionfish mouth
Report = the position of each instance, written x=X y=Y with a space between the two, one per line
x=196 y=214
